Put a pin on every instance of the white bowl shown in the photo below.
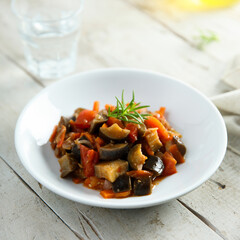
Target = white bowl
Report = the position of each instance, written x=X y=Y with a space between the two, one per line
x=189 y=112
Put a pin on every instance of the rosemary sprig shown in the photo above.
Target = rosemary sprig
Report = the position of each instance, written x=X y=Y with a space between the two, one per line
x=128 y=113
x=204 y=38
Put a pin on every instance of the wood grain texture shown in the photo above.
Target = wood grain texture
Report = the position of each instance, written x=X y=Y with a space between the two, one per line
x=116 y=33
x=94 y=222
x=223 y=22
x=23 y=215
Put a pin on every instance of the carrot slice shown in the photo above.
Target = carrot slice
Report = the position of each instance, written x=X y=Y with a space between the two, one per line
x=123 y=194
x=61 y=136
x=176 y=154
x=169 y=164
x=162 y=111
x=112 y=108
x=152 y=122
x=107 y=193
x=96 y=106
x=53 y=135
x=104 y=125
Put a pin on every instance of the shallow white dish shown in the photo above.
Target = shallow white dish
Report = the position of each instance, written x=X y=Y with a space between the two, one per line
x=189 y=112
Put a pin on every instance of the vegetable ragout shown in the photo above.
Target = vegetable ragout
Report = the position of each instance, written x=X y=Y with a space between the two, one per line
x=119 y=150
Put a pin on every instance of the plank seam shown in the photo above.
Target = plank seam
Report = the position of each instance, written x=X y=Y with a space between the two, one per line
x=203 y=219
x=32 y=190
x=90 y=223
x=233 y=150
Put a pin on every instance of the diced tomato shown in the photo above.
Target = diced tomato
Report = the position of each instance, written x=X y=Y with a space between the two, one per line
x=152 y=122
x=169 y=164
x=84 y=118
x=53 y=135
x=176 y=153
x=96 y=106
x=60 y=137
x=89 y=158
x=77 y=180
x=99 y=142
x=75 y=127
x=94 y=183
x=133 y=135
x=112 y=120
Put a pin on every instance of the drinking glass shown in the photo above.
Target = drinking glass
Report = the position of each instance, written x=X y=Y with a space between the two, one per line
x=49 y=31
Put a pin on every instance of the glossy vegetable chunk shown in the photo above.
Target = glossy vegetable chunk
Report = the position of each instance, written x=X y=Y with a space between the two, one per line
x=154 y=164
x=122 y=184
x=152 y=139
x=135 y=157
x=113 y=151
x=67 y=165
x=98 y=121
x=114 y=133
x=89 y=158
x=76 y=152
x=142 y=186
x=181 y=147
x=111 y=170
x=169 y=164
x=84 y=118
x=153 y=122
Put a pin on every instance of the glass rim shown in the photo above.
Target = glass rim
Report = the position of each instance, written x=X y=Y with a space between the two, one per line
x=25 y=18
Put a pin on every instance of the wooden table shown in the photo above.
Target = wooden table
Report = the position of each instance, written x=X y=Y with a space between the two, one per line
x=118 y=33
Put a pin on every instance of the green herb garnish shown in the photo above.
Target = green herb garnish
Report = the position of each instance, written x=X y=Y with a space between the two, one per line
x=128 y=113
x=204 y=38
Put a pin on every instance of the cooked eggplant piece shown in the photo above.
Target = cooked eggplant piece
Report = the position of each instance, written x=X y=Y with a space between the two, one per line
x=135 y=157
x=76 y=152
x=152 y=139
x=114 y=133
x=84 y=142
x=122 y=184
x=113 y=151
x=111 y=170
x=154 y=164
x=78 y=173
x=181 y=147
x=67 y=165
x=142 y=186
x=98 y=122
x=141 y=129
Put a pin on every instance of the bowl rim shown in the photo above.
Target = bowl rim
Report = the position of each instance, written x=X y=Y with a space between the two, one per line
x=118 y=204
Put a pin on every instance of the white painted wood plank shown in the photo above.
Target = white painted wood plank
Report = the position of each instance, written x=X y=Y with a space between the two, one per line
x=22 y=213
x=218 y=199
x=168 y=220
x=134 y=40
x=224 y=22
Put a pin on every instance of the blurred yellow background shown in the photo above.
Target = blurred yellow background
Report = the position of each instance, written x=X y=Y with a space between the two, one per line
x=203 y=4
